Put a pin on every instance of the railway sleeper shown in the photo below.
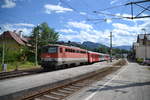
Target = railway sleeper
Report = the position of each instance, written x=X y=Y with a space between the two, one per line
x=59 y=93
x=65 y=91
x=67 y=88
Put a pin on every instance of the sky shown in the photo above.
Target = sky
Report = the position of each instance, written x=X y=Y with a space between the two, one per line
x=77 y=20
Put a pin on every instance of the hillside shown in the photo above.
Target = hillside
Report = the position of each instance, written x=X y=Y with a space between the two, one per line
x=93 y=45
x=125 y=47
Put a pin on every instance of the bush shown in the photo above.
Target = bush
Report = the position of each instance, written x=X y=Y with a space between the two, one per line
x=11 y=66
x=121 y=62
x=139 y=60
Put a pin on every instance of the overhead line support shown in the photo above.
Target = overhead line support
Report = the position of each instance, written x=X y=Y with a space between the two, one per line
x=137 y=2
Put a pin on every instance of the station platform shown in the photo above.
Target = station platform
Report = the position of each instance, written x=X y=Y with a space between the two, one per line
x=15 y=88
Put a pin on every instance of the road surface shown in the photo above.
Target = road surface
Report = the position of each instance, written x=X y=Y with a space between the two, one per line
x=131 y=82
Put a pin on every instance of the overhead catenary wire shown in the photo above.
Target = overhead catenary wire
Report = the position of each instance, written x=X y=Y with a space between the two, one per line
x=67 y=4
x=105 y=19
x=130 y=3
x=113 y=7
x=111 y=14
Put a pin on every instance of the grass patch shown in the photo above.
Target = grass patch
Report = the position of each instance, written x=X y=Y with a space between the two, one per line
x=148 y=68
x=20 y=65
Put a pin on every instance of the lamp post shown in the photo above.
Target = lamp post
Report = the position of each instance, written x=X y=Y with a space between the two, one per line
x=145 y=42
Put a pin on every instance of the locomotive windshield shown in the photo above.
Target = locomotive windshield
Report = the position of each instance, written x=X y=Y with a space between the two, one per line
x=49 y=50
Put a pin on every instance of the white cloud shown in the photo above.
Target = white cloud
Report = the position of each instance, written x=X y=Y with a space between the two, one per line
x=113 y=1
x=24 y=24
x=86 y=33
x=67 y=31
x=108 y=21
x=125 y=27
x=80 y=25
x=8 y=4
x=145 y=25
x=133 y=20
x=96 y=36
x=21 y=25
x=24 y=27
x=123 y=34
x=127 y=34
x=83 y=13
x=56 y=8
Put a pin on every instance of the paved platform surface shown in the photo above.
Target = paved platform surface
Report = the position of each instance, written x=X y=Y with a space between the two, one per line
x=24 y=83
x=132 y=82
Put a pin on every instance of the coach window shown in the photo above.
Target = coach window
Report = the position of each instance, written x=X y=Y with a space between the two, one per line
x=73 y=51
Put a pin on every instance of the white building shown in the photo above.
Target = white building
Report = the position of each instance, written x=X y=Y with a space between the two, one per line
x=142 y=46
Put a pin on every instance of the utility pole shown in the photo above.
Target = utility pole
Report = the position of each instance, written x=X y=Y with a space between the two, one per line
x=4 y=66
x=3 y=52
x=145 y=43
x=110 y=46
x=36 y=45
x=36 y=50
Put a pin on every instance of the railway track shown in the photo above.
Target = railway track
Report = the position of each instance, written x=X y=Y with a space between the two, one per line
x=18 y=73
x=63 y=91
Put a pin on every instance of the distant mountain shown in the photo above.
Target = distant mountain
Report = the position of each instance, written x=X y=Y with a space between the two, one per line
x=92 y=45
x=126 y=47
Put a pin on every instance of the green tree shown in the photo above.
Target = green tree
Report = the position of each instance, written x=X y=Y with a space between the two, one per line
x=43 y=35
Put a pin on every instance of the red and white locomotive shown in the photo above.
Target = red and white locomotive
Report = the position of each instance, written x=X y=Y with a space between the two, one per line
x=55 y=55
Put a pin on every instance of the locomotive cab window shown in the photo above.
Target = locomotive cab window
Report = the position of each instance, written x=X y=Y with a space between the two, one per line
x=52 y=50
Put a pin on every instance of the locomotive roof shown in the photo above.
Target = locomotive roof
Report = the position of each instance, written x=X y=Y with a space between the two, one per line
x=65 y=46
x=75 y=48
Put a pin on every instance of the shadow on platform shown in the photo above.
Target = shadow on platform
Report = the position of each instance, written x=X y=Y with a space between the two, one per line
x=108 y=87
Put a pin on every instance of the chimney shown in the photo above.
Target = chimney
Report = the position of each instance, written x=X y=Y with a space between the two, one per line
x=20 y=34
x=14 y=31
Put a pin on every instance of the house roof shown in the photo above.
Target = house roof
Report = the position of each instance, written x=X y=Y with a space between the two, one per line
x=141 y=36
x=15 y=36
x=148 y=36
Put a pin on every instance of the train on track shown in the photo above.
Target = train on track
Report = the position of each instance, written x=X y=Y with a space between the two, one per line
x=56 y=56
